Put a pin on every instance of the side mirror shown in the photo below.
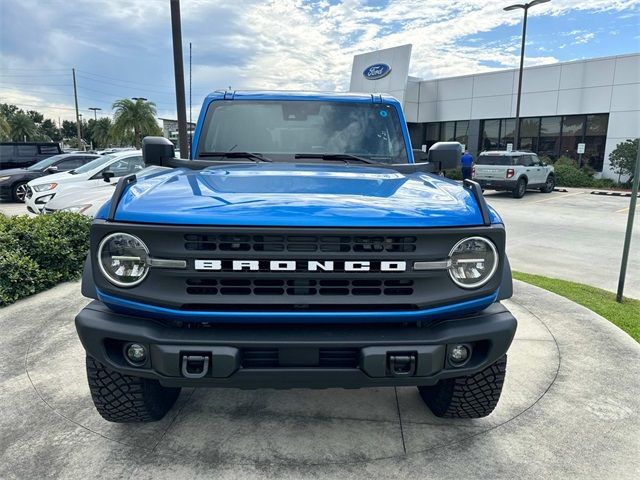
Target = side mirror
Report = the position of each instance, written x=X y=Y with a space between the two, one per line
x=446 y=155
x=107 y=176
x=51 y=169
x=157 y=151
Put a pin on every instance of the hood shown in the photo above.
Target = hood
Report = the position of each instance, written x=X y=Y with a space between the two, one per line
x=61 y=177
x=303 y=195
x=22 y=172
x=80 y=195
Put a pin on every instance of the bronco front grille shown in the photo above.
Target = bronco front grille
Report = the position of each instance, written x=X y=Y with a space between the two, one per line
x=295 y=287
x=300 y=243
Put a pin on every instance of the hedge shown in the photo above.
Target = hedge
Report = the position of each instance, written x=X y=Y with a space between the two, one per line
x=37 y=253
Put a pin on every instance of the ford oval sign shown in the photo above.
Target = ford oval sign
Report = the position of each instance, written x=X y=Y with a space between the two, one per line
x=374 y=72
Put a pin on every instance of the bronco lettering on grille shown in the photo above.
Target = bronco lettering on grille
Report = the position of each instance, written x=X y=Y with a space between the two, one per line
x=294 y=265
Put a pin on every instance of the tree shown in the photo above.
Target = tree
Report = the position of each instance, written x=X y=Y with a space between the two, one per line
x=623 y=158
x=37 y=117
x=22 y=127
x=134 y=119
x=48 y=129
x=5 y=129
x=102 y=132
x=69 y=129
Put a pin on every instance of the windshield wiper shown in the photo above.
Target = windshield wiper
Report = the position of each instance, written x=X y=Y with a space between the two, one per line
x=253 y=156
x=336 y=156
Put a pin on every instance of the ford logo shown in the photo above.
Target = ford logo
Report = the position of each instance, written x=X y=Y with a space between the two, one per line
x=374 y=72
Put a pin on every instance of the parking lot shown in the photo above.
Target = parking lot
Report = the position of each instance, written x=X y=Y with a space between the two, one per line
x=565 y=397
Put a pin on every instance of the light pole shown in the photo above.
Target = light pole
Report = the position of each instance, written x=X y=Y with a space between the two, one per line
x=178 y=71
x=627 y=238
x=95 y=112
x=525 y=7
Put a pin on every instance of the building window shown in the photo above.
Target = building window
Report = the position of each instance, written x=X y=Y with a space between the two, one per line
x=507 y=132
x=432 y=134
x=529 y=129
x=595 y=139
x=549 y=142
x=462 y=132
x=572 y=133
x=416 y=133
x=490 y=135
x=448 y=132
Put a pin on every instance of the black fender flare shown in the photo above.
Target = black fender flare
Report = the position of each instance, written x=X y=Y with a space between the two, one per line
x=506 y=283
x=88 y=286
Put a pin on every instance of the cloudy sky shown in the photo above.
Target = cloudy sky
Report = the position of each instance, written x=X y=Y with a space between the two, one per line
x=122 y=48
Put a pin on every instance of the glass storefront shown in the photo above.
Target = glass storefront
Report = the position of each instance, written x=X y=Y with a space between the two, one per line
x=551 y=136
x=547 y=136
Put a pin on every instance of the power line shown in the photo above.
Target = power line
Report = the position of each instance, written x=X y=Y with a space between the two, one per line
x=120 y=79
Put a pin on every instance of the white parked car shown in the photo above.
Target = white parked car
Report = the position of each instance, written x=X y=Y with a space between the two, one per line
x=88 y=201
x=513 y=171
x=105 y=169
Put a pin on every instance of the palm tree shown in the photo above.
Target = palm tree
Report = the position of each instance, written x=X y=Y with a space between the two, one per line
x=22 y=127
x=135 y=118
x=5 y=129
x=102 y=132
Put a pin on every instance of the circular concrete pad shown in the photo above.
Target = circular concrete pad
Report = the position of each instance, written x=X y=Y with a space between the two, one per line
x=564 y=392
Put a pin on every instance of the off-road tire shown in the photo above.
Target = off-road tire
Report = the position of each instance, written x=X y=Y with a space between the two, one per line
x=122 y=398
x=521 y=188
x=549 y=184
x=467 y=397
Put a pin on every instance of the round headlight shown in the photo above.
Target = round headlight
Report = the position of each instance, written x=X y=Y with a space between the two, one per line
x=123 y=259
x=474 y=260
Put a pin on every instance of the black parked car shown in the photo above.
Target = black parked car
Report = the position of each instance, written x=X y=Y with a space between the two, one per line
x=13 y=182
x=25 y=154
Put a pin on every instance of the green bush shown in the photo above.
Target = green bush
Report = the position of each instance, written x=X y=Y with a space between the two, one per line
x=39 y=252
x=570 y=176
x=455 y=174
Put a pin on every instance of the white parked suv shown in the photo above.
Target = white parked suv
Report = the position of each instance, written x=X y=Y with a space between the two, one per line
x=513 y=171
x=105 y=169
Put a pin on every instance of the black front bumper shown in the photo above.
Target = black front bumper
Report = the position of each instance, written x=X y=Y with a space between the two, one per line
x=288 y=356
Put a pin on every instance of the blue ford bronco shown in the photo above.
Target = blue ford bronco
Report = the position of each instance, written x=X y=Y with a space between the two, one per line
x=301 y=246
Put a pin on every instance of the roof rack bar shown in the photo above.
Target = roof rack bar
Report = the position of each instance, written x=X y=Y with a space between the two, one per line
x=123 y=183
x=477 y=193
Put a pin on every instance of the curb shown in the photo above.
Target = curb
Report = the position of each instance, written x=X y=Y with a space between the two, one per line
x=612 y=194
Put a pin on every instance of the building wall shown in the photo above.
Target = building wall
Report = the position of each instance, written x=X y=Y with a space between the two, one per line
x=603 y=85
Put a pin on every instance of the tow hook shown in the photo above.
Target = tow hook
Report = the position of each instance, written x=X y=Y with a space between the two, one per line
x=195 y=366
x=402 y=364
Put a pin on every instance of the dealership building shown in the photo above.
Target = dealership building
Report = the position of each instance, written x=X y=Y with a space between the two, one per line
x=595 y=102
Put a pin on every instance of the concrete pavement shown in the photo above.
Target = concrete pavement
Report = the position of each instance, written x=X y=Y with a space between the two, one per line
x=570 y=409
x=574 y=236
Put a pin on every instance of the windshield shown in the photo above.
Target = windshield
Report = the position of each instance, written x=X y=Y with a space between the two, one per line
x=87 y=167
x=42 y=164
x=282 y=129
x=496 y=159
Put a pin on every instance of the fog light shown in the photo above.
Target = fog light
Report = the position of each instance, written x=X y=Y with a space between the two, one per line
x=458 y=354
x=136 y=353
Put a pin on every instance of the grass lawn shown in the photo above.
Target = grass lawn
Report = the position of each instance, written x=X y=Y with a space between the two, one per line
x=625 y=315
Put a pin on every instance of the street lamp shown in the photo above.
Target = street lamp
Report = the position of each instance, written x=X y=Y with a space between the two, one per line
x=525 y=7
x=142 y=99
x=95 y=112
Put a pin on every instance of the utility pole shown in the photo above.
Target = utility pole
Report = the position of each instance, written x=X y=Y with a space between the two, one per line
x=190 y=107
x=178 y=67
x=525 y=7
x=630 y=218
x=75 y=96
